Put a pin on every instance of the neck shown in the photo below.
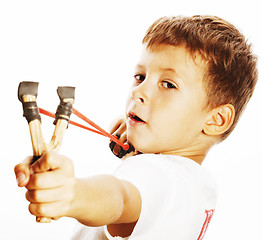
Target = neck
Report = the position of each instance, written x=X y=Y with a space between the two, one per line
x=198 y=158
x=196 y=153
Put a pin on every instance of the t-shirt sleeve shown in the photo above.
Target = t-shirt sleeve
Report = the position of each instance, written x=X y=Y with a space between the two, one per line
x=153 y=184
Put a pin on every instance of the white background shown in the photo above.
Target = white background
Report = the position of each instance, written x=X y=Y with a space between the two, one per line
x=93 y=45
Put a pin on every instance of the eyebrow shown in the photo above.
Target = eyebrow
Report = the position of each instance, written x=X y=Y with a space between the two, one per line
x=140 y=67
x=168 y=70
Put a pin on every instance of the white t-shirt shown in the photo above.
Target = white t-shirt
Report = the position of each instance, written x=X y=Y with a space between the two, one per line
x=178 y=199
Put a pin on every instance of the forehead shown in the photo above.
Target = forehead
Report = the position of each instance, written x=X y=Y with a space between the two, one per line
x=165 y=54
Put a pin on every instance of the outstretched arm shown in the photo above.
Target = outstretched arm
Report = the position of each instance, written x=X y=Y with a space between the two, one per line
x=104 y=199
x=53 y=191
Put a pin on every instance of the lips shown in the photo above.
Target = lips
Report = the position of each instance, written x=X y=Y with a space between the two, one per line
x=134 y=119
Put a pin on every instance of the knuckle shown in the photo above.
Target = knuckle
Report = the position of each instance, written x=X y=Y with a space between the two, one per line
x=40 y=210
x=123 y=124
x=17 y=168
x=34 y=181
x=123 y=137
x=31 y=208
x=20 y=168
x=27 y=196
x=33 y=196
x=36 y=209
x=49 y=155
x=69 y=164
x=46 y=158
x=37 y=166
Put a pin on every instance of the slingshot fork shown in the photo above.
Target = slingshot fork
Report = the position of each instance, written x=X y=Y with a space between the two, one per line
x=27 y=94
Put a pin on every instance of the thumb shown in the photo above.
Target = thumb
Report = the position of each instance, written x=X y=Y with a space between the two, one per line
x=43 y=163
x=50 y=161
x=22 y=172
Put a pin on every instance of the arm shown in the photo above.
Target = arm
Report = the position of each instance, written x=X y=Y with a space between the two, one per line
x=53 y=191
x=104 y=199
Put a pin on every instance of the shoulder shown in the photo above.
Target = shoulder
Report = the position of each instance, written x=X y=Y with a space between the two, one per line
x=173 y=190
x=166 y=173
x=168 y=163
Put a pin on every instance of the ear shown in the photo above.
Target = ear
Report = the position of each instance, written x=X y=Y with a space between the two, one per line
x=220 y=120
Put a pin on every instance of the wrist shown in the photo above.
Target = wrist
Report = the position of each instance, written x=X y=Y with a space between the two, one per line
x=74 y=207
x=97 y=201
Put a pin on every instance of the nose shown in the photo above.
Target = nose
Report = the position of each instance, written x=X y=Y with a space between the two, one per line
x=140 y=94
x=138 y=99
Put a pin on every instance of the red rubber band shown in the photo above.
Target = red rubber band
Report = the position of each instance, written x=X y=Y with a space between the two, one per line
x=49 y=114
x=113 y=138
x=84 y=118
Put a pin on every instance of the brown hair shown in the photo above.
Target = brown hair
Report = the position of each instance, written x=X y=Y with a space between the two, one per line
x=231 y=67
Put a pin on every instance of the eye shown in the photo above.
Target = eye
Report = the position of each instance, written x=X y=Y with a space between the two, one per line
x=139 y=77
x=166 y=84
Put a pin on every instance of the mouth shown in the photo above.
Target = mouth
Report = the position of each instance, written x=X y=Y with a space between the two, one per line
x=135 y=119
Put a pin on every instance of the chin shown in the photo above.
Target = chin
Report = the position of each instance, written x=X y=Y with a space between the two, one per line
x=137 y=146
x=141 y=145
x=143 y=149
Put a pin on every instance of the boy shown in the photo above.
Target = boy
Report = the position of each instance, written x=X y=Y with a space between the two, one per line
x=191 y=84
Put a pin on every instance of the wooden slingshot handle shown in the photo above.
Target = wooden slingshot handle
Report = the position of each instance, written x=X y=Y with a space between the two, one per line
x=27 y=94
x=63 y=112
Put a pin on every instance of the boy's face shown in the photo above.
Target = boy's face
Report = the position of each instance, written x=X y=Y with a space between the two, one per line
x=165 y=109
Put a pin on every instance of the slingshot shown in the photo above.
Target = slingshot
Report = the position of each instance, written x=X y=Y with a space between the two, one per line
x=27 y=94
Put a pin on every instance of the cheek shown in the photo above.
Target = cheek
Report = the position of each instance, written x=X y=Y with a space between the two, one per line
x=179 y=122
x=192 y=124
x=128 y=100
x=139 y=143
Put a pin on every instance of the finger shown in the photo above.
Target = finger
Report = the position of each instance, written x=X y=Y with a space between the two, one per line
x=117 y=148
x=118 y=124
x=63 y=193
x=121 y=129
x=129 y=152
x=50 y=179
x=22 y=172
x=44 y=163
x=115 y=125
x=123 y=137
x=51 y=160
x=112 y=144
x=53 y=210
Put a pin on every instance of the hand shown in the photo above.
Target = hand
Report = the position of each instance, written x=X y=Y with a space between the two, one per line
x=118 y=129
x=50 y=183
